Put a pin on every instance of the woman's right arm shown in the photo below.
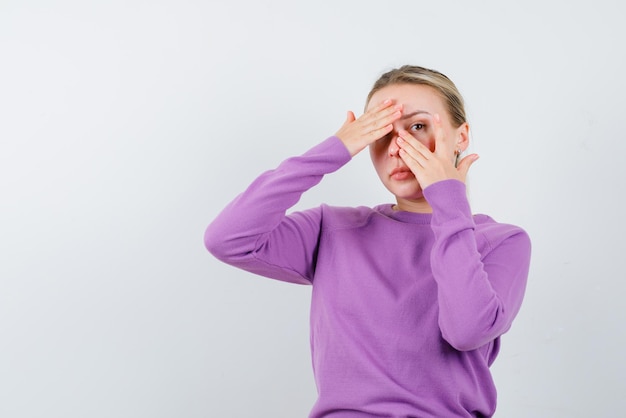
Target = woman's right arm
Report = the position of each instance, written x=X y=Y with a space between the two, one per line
x=254 y=233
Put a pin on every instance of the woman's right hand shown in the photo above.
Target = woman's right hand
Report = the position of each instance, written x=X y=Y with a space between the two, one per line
x=356 y=134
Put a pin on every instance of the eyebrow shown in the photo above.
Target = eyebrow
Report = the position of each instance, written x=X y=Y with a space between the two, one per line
x=410 y=115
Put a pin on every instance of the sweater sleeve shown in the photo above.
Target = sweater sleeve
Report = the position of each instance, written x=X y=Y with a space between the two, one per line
x=254 y=233
x=479 y=294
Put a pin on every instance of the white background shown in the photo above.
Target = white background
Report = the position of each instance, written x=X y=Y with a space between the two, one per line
x=125 y=126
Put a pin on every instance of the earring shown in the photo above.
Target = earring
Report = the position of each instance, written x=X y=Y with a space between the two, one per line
x=457 y=154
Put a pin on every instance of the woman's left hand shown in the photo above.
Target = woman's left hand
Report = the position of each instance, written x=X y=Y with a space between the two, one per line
x=432 y=166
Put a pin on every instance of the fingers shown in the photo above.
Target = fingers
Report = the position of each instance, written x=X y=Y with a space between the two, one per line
x=441 y=146
x=385 y=104
x=349 y=119
x=382 y=115
x=378 y=122
x=413 y=147
x=465 y=164
x=431 y=157
x=357 y=133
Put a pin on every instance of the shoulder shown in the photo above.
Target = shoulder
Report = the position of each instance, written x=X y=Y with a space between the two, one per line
x=495 y=233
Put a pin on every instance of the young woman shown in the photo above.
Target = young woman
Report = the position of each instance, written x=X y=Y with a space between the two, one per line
x=409 y=299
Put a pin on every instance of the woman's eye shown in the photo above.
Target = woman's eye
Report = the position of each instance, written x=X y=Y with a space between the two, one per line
x=417 y=126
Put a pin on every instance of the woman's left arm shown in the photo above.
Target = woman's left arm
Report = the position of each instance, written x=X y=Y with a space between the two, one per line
x=480 y=290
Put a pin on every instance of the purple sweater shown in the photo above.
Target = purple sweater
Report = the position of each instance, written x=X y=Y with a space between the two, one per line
x=407 y=308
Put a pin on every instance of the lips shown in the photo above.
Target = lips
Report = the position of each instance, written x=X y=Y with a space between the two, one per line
x=401 y=173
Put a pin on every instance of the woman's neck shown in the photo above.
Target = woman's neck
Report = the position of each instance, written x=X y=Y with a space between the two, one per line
x=416 y=206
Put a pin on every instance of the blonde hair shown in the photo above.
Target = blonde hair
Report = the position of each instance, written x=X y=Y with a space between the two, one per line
x=412 y=74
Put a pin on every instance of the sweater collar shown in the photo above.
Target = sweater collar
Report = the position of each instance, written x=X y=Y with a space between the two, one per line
x=403 y=216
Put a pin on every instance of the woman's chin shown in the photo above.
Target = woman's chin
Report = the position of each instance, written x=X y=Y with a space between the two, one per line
x=407 y=192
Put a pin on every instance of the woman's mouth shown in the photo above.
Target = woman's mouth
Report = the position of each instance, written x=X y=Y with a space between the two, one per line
x=401 y=173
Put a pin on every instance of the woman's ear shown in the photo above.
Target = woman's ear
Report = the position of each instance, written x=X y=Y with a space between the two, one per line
x=462 y=135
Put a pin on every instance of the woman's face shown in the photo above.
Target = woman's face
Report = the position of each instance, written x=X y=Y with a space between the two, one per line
x=420 y=104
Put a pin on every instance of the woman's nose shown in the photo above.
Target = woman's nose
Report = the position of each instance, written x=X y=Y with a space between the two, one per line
x=393 y=149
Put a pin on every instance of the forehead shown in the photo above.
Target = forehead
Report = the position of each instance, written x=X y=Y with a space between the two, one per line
x=411 y=96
